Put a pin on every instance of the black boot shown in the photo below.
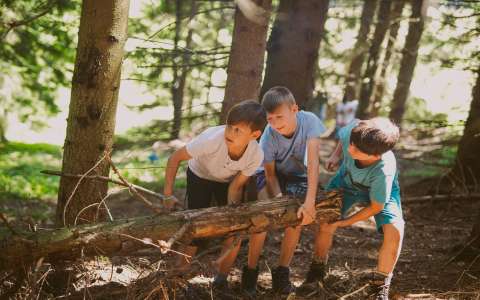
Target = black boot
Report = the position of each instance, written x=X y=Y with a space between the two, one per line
x=249 y=282
x=281 y=281
x=316 y=274
x=380 y=286
x=220 y=287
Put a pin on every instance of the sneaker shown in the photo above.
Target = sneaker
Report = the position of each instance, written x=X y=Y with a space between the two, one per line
x=315 y=276
x=249 y=282
x=281 y=281
x=380 y=286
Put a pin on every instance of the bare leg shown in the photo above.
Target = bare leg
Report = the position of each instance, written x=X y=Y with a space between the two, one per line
x=183 y=263
x=289 y=243
x=255 y=244
x=390 y=250
x=228 y=255
x=323 y=243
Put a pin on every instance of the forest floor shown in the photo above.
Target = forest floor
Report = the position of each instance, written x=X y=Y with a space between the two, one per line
x=428 y=268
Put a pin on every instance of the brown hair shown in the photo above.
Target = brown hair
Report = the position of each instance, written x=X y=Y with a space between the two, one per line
x=277 y=96
x=249 y=112
x=375 y=136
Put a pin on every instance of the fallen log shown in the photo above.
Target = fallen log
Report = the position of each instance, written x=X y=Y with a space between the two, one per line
x=124 y=237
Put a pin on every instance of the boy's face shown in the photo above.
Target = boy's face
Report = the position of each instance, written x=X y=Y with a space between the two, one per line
x=359 y=155
x=284 y=119
x=239 y=135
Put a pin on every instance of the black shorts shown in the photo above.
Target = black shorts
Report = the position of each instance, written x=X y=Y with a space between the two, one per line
x=203 y=193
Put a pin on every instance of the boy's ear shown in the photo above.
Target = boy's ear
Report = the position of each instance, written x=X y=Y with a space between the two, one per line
x=256 y=134
x=294 y=108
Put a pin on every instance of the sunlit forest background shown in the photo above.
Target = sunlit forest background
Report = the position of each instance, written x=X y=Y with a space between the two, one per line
x=416 y=62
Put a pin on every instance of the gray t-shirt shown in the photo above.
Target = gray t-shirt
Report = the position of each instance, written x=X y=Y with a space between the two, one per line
x=289 y=154
x=210 y=159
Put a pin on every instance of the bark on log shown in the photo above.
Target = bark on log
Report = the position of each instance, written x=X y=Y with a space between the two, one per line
x=115 y=238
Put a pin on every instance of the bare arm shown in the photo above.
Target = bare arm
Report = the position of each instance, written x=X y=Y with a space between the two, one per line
x=333 y=161
x=362 y=215
x=172 y=168
x=308 y=208
x=273 y=187
x=235 y=189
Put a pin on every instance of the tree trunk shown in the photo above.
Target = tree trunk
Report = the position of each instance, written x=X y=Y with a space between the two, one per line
x=293 y=47
x=467 y=165
x=359 y=51
x=3 y=126
x=247 y=54
x=368 y=80
x=124 y=237
x=180 y=74
x=476 y=232
x=409 y=59
x=93 y=104
x=395 y=19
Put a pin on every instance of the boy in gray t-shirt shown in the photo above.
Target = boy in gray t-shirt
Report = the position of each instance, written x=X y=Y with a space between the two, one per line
x=290 y=144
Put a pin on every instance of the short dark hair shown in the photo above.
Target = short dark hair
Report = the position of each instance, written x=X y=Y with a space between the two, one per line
x=375 y=136
x=276 y=96
x=249 y=112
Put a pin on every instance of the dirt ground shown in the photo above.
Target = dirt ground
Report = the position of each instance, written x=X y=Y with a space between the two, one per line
x=428 y=268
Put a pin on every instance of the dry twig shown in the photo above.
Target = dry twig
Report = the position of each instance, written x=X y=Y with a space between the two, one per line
x=78 y=184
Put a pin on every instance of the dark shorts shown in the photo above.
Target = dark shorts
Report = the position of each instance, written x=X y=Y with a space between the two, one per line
x=203 y=193
x=290 y=185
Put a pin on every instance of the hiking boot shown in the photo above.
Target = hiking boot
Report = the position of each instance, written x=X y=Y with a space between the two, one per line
x=281 y=281
x=315 y=276
x=380 y=286
x=249 y=282
x=220 y=287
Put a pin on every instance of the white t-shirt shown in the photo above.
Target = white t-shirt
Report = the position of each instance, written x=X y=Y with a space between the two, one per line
x=210 y=159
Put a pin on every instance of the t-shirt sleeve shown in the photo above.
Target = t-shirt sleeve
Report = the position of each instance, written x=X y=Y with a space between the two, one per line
x=205 y=143
x=254 y=163
x=266 y=145
x=381 y=187
x=315 y=127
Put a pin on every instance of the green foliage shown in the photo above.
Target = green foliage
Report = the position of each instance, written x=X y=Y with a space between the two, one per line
x=21 y=165
x=135 y=166
x=156 y=61
x=37 y=51
x=418 y=113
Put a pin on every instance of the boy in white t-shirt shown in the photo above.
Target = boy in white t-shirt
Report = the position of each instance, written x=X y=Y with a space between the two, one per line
x=220 y=162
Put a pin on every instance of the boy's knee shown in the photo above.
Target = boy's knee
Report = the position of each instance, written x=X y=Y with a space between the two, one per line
x=392 y=235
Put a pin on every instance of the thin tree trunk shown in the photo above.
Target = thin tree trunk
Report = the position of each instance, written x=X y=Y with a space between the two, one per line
x=476 y=232
x=395 y=19
x=3 y=112
x=359 y=50
x=93 y=104
x=368 y=80
x=467 y=166
x=3 y=126
x=124 y=237
x=409 y=59
x=180 y=74
x=247 y=54
x=207 y=106
x=293 y=47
